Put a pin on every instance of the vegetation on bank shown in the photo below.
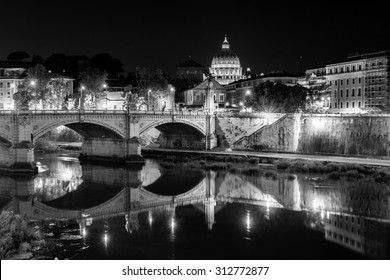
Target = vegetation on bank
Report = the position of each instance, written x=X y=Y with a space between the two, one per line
x=18 y=239
x=254 y=166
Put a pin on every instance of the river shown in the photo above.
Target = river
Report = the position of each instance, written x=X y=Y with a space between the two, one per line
x=151 y=212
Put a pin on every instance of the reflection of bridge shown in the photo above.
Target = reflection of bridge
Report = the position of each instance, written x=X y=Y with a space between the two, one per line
x=109 y=132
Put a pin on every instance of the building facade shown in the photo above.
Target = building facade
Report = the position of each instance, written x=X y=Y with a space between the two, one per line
x=196 y=97
x=225 y=65
x=360 y=83
x=236 y=92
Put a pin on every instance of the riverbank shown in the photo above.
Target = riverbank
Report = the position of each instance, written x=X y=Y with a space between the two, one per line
x=273 y=156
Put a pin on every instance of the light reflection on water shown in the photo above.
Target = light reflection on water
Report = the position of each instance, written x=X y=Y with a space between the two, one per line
x=229 y=206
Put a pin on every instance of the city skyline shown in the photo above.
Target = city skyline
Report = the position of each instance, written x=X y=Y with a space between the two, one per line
x=162 y=35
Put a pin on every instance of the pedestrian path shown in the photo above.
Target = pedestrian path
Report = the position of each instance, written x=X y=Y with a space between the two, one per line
x=291 y=156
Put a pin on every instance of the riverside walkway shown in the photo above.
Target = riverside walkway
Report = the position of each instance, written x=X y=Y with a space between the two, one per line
x=289 y=156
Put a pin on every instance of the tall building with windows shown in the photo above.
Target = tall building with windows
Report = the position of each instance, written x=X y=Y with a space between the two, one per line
x=225 y=66
x=11 y=75
x=360 y=83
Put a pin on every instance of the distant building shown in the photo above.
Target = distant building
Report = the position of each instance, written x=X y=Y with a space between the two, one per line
x=196 y=96
x=360 y=83
x=315 y=81
x=13 y=73
x=190 y=70
x=225 y=65
x=237 y=91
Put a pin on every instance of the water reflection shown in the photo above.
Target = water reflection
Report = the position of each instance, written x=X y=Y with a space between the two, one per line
x=354 y=215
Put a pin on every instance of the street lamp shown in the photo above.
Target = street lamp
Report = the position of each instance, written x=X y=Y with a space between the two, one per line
x=81 y=97
x=33 y=83
x=105 y=89
x=149 y=91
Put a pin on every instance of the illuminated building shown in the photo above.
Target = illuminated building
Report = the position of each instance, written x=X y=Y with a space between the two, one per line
x=196 y=96
x=360 y=83
x=238 y=90
x=225 y=66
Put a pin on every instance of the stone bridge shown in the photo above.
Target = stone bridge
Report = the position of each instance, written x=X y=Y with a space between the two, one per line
x=106 y=133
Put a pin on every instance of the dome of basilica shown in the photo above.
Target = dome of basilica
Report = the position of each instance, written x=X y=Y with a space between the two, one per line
x=225 y=66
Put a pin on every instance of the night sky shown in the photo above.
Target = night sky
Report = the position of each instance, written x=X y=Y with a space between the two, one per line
x=159 y=35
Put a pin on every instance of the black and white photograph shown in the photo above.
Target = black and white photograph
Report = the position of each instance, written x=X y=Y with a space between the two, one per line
x=214 y=135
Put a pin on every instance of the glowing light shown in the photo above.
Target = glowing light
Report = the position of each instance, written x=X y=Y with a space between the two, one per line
x=248 y=221
x=84 y=232
x=248 y=92
x=32 y=83
x=241 y=103
x=322 y=214
x=82 y=87
x=327 y=215
x=105 y=239
x=104 y=86
x=150 y=220
x=227 y=104
x=12 y=85
x=173 y=223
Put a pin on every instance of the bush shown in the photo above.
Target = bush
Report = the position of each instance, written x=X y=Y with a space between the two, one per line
x=15 y=234
x=254 y=160
x=168 y=165
x=353 y=175
x=282 y=165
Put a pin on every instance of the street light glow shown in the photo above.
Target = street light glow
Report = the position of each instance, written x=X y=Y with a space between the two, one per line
x=32 y=83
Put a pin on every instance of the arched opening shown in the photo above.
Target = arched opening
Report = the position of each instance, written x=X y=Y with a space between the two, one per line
x=175 y=135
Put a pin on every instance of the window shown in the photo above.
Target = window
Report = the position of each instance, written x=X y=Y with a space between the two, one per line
x=1 y=106
x=335 y=105
x=353 y=68
x=359 y=92
x=353 y=104
x=353 y=92
x=360 y=104
x=347 y=81
x=335 y=93
x=347 y=105
x=335 y=82
x=353 y=81
x=347 y=92
x=341 y=105
x=360 y=80
x=360 y=67
x=8 y=85
x=330 y=83
x=1 y=85
x=341 y=82
x=8 y=95
x=341 y=93
x=347 y=69
x=221 y=97
x=1 y=94
x=197 y=97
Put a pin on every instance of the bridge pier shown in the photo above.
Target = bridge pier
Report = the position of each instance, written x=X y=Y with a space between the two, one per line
x=111 y=150
x=17 y=159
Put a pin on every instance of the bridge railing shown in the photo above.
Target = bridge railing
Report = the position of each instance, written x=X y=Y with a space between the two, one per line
x=99 y=112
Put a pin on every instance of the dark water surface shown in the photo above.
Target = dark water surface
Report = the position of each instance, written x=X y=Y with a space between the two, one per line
x=149 y=212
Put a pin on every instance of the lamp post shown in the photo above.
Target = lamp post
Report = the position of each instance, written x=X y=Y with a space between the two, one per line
x=81 y=97
x=247 y=94
x=172 y=89
x=147 y=107
x=105 y=89
x=33 y=83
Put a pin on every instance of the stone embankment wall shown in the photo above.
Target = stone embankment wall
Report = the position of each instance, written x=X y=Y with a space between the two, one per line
x=366 y=135
x=346 y=135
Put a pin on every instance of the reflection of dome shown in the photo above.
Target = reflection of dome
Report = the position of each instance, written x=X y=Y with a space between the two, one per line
x=225 y=66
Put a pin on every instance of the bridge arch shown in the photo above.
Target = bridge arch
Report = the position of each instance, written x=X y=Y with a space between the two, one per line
x=83 y=128
x=200 y=130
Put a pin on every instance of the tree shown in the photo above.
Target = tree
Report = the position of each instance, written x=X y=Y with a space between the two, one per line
x=277 y=98
x=58 y=63
x=59 y=93
x=104 y=61
x=18 y=56
x=152 y=86
x=38 y=80
x=93 y=81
